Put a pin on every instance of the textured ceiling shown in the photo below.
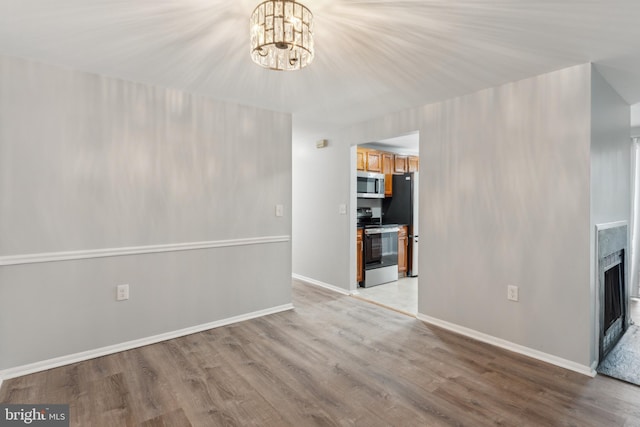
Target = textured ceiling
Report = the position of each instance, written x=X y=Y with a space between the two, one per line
x=372 y=57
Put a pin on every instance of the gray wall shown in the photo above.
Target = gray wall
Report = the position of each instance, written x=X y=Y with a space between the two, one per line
x=610 y=172
x=89 y=163
x=505 y=200
x=321 y=237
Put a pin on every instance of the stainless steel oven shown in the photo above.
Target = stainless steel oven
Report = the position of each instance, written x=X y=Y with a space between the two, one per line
x=380 y=255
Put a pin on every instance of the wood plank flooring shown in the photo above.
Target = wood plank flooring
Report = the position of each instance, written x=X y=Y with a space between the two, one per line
x=333 y=361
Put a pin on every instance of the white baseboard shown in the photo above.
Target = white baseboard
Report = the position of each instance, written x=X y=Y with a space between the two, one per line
x=508 y=345
x=19 y=371
x=315 y=282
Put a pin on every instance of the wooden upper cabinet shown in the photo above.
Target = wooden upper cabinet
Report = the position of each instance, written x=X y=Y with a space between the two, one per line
x=361 y=161
x=387 y=170
x=387 y=163
x=374 y=161
x=413 y=164
x=400 y=164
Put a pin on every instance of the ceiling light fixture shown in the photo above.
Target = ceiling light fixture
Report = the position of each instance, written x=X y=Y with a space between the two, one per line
x=282 y=35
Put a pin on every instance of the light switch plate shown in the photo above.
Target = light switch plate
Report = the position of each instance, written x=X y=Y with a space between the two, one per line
x=279 y=210
x=122 y=292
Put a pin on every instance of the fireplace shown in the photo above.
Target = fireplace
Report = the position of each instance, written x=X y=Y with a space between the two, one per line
x=613 y=302
x=612 y=244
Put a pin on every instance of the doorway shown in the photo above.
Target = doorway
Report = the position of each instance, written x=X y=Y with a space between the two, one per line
x=397 y=211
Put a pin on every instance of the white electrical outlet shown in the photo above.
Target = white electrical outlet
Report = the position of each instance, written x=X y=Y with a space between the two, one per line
x=342 y=209
x=122 y=292
x=279 y=210
x=512 y=293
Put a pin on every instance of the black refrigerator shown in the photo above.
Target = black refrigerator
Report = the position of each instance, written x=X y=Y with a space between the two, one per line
x=402 y=208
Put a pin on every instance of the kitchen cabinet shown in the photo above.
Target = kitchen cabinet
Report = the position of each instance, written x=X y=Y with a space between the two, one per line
x=403 y=246
x=413 y=164
x=371 y=160
x=400 y=164
x=361 y=161
x=387 y=170
x=359 y=256
x=374 y=161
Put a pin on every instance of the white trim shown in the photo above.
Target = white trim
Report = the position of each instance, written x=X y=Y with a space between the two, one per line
x=508 y=345
x=315 y=282
x=19 y=371
x=135 y=250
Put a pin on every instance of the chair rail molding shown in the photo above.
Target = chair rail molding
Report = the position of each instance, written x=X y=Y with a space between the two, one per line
x=135 y=250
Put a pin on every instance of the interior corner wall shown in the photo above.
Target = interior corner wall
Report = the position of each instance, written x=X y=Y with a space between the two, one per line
x=319 y=236
x=91 y=164
x=610 y=175
x=505 y=189
x=504 y=200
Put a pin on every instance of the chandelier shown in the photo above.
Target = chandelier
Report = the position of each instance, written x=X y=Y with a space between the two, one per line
x=282 y=35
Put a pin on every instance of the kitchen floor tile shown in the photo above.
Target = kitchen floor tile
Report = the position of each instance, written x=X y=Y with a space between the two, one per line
x=401 y=295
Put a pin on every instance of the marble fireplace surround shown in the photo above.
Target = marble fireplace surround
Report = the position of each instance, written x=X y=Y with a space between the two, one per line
x=611 y=238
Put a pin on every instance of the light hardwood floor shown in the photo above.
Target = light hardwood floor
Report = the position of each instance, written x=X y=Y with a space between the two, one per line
x=334 y=360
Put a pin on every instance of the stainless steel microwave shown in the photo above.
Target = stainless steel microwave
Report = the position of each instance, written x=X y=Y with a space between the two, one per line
x=370 y=185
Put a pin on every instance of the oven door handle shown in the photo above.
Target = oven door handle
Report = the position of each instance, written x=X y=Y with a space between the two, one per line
x=381 y=230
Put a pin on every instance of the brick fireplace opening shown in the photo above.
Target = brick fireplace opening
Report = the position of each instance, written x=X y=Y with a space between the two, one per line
x=614 y=316
x=613 y=303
